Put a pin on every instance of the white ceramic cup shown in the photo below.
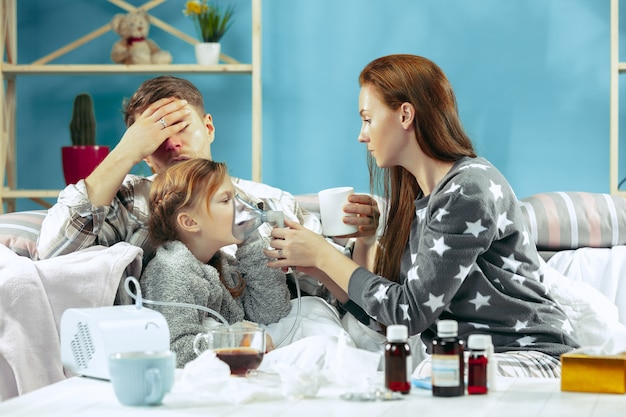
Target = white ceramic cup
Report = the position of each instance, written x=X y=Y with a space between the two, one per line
x=142 y=378
x=331 y=202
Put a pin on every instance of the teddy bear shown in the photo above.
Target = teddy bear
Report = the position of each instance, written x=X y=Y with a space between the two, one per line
x=134 y=47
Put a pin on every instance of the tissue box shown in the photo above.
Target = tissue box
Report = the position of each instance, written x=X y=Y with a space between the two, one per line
x=592 y=373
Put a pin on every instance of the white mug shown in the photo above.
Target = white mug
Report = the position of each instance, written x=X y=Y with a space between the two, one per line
x=331 y=202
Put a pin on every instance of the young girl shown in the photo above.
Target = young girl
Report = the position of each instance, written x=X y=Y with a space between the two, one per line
x=191 y=219
x=455 y=246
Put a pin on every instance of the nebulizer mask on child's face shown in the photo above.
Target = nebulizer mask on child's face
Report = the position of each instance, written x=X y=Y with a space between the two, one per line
x=247 y=218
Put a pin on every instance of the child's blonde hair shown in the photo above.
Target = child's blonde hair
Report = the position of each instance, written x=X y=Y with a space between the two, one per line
x=181 y=186
x=185 y=185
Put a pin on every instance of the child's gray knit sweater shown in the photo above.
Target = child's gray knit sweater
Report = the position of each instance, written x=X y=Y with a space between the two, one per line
x=175 y=275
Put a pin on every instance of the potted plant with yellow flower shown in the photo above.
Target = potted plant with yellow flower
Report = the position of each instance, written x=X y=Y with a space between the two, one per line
x=211 y=22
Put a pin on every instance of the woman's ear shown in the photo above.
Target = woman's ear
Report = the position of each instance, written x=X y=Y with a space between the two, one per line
x=407 y=114
x=187 y=223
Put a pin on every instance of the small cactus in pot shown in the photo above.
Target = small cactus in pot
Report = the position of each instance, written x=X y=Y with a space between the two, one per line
x=84 y=156
x=83 y=123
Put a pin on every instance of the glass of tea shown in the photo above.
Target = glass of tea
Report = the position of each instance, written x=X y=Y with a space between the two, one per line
x=241 y=347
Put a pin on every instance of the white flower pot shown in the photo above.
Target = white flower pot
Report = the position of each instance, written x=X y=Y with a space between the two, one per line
x=207 y=53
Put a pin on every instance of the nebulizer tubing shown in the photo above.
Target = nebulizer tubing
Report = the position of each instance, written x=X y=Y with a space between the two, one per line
x=139 y=301
x=247 y=219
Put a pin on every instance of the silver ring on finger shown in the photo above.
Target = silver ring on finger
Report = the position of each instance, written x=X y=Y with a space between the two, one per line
x=163 y=122
x=280 y=253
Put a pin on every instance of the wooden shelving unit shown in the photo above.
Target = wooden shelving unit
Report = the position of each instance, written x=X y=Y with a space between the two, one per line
x=617 y=68
x=10 y=70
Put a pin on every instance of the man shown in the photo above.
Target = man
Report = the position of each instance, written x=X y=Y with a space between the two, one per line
x=166 y=124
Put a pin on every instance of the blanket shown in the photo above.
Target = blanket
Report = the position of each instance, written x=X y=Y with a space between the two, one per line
x=33 y=297
x=593 y=317
x=601 y=268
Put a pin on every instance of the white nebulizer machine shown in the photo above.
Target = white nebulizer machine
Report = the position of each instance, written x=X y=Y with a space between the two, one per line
x=90 y=335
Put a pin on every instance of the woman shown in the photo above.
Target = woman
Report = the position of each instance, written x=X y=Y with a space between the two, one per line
x=191 y=219
x=455 y=246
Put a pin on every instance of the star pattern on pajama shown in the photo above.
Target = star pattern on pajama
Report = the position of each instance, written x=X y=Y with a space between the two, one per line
x=519 y=279
x=381 y=294
x=474 y=228
x=475 y=165
x=439 y=246
x=436 y=266
x=480 y=300
x=567 y=327
x=503 y=222
x=412 y=275
x=526 y=340
x=453 y=188
x=510 y=263
x=496 y=190
x=463 y=271
x=434 y=302
x=405 y=310
x=520 y=325
x=440 y=213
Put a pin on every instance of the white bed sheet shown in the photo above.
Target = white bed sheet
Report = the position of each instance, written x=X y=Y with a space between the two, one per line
x=602 y=268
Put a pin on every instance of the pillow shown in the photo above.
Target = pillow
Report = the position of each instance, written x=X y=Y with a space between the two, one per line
x=19 y=231
x=572 y=220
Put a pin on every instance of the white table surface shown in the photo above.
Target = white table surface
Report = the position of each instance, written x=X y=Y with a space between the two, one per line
x=80 y=396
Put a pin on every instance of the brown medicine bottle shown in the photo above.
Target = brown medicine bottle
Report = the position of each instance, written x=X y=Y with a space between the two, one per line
x=448 y=364
x=397 y=359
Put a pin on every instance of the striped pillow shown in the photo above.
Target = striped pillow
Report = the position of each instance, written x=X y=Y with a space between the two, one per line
x=19 y=231
x=571 y=220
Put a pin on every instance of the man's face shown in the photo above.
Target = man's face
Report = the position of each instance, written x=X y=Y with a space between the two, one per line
x=194 y=141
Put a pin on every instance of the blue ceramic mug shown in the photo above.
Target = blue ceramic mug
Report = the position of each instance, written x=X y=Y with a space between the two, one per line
x=142 y=378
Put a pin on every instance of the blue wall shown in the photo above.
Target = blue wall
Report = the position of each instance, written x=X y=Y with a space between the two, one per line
x=531 y=77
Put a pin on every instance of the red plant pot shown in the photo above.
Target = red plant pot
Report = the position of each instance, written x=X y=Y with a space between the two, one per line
x=80 y=161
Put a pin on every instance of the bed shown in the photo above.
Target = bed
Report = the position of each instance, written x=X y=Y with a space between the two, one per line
x=581 y=236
